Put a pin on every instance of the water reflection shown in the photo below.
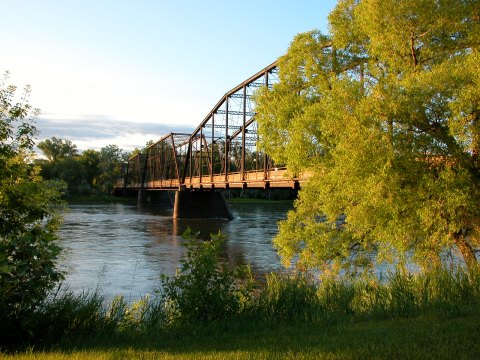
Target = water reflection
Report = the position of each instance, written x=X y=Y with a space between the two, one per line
x=124 y=249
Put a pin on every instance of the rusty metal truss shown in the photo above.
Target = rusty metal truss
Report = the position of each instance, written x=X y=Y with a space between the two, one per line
x=220 y=153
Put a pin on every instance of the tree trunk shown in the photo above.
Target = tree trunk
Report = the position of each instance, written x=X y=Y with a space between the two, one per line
x=466 y=250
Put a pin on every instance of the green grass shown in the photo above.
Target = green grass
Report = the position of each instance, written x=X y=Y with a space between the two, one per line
x=209 y=311
x=420 y=338
x=427 y=316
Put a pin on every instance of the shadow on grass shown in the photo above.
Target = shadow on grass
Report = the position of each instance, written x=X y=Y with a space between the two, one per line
x=423 y=338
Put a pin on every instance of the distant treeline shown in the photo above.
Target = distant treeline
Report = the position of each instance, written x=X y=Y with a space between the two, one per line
x=85 y=173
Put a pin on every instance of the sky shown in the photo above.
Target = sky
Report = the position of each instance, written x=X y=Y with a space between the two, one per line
x=124 y=72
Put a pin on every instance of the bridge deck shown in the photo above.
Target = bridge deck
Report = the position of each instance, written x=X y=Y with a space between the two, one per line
x=276 y=178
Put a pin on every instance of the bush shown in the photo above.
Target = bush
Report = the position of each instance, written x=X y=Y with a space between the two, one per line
x=205 y=289
x=29 y=219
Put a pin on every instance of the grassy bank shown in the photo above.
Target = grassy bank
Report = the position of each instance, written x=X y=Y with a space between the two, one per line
x=208 y=310
x=434 y=316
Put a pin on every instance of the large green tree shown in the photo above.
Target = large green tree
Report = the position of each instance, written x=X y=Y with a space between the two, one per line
x=110 y=167
x=90 y=161
x=29 y=217
x=384 y=116
x=56 y=149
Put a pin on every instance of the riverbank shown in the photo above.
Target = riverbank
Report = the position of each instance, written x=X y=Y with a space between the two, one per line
x=99 y=199
x=208 y=313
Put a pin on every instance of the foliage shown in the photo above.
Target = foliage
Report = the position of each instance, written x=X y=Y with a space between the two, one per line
x=145 y=315
x=110 y=167
x=84 y=173
x=384 y=116
x=205 y=296
x=65 y=314
x=450 y=292
x=205 y=289
x=90 y=162
x=55 y=149
x=29 y=217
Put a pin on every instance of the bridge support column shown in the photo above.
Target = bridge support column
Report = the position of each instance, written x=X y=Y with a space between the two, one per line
x=201 y=204
x=163 y=199
x=119 y=192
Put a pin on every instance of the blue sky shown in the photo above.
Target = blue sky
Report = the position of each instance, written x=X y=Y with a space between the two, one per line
x=124 y=72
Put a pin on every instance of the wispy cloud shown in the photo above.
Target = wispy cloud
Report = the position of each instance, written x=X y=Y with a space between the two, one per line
x=95 y=132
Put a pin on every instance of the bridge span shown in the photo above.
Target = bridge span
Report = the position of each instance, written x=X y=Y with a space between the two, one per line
x=221 y=153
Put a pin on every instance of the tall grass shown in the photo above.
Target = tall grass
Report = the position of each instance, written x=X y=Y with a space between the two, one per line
x=444 y=292
x=287 y=297
x=205 y=293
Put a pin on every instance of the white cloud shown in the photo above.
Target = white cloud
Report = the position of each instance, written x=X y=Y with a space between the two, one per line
x=95 y=132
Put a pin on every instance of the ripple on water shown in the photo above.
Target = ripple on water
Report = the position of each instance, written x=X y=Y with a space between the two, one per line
x=124 y=250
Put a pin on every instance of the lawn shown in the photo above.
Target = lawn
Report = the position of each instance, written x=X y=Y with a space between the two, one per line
x=421 y=338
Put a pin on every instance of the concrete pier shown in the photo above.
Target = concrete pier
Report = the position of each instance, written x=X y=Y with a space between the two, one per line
x=164 y=199
x=201 y=204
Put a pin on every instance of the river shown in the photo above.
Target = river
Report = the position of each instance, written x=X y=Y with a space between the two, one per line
x=122 y=249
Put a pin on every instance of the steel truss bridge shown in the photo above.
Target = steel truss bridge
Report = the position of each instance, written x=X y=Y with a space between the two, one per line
x=221 y=153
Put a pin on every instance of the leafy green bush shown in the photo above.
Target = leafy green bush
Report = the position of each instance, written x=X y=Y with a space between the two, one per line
x=29 y=219
x=204 y=289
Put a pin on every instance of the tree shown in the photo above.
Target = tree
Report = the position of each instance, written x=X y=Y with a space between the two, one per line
x=84 y=173
x=61 y=163
x=29 y=217
x=90 y=162
x=384 y=115
x=80 y=172
x=110 y=166
x=138 y=151
x=56 y=149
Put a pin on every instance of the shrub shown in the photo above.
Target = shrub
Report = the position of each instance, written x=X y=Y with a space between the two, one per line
x=204 y=289
x=29 y=218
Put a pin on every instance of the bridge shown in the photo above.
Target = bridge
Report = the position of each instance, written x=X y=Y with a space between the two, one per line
x=221 y=153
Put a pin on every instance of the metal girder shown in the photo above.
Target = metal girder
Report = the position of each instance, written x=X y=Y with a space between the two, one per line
x=239 y=96
x=226 y=152
x=239 y=131
x=252 y=79
x=223 y=126
x=223 y=112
